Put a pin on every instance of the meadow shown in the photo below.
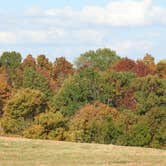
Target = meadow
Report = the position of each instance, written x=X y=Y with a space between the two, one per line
x=27 y=152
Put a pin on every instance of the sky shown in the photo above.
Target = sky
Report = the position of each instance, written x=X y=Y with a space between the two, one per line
x=70 y=27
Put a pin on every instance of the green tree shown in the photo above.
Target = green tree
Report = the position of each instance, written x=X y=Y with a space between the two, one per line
x=139 y=135
x=161 y=68
x=100 y=59
x=156 y=119
x=123 y=124
x=11 y=60
x=76 y=91
x=149 y=93
x=34 y=80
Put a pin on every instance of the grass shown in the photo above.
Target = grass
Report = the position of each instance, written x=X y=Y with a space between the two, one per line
x=26 y=152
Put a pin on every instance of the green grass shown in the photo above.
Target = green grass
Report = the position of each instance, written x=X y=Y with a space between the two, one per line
x=26 y=152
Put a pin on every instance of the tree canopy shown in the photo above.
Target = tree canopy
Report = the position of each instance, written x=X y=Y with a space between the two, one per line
x=102 y=98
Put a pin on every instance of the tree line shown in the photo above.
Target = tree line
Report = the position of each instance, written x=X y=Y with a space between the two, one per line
x=101 y=98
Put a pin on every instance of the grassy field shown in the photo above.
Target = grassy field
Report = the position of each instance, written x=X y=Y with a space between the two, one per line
x=25 y=152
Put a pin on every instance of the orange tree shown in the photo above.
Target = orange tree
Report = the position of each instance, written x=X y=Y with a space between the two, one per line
x=94 y=123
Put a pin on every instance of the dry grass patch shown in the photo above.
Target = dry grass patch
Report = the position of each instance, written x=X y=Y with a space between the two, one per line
x=26 y=152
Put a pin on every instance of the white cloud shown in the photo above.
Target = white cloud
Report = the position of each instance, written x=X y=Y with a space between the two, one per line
x=41 y=36
x=89 y=36
x=52 y=36
x=119 y=13
x=32 y=36
x=7 y=37
x=126 y=13
x=115 y=13
x=67 y=25
x=124 y=47
x=33 y=11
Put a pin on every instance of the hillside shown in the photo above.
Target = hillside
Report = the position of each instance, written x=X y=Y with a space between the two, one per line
x=27 y=152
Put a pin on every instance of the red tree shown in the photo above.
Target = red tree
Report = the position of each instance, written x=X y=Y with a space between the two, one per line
x=29 y=61
x=124 y=65
x=142 y=70
x=61 y=70
x=139 y=67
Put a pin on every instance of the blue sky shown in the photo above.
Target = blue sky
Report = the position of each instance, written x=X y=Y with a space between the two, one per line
x=71 y=27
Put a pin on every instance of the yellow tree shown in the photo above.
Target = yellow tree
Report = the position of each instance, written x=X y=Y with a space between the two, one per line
x=161 y=68
x=149 y=61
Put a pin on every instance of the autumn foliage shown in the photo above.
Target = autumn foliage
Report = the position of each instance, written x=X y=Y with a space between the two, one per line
x=101 y=98
x=140 y=68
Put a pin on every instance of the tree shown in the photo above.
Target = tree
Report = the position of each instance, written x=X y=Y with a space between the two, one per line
x=61 y=70
x=149 y=92
x=156 y=119
x=21 y=109
x=43 y=62
x=44 y=67
x=29 y=61
x=161 y=69
x=1 y=106
x=93 y=123
x=47 y=125
x=139 y=135
x=100 y=59
x=123 y=124
x=34 y=80
x=142 y=70
x=10 y=60
x=76 y=91
x=124 y=65
x=113 y=86
x=70 y=97
x=149 y=61
x=129 y=100
x=5 y=90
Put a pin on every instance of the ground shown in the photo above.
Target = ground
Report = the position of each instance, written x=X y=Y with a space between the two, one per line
x=27 y=152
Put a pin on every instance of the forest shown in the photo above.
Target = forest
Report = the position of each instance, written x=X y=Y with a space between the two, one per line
x=100 y=98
